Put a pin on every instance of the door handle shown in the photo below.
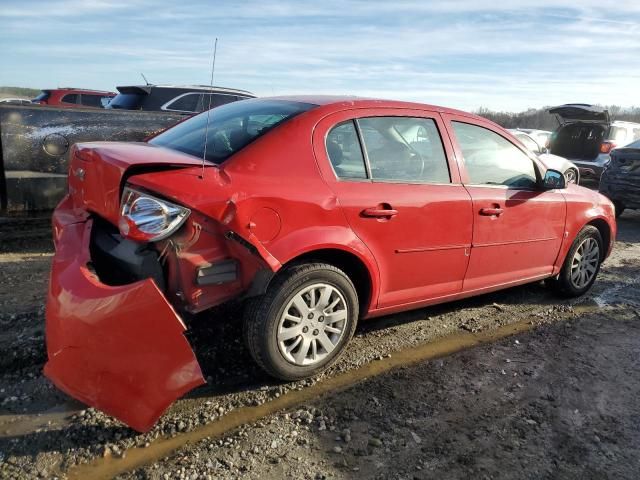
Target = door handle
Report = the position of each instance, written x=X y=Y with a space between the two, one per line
x=376 y=212
x=491 y=211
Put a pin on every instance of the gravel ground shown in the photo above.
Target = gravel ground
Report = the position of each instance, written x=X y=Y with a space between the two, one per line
x=559 y=403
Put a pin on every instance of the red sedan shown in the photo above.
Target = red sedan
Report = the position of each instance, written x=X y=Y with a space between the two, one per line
x=316 y=212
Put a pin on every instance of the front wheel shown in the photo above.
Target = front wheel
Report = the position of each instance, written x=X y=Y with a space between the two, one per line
x=582 y=264
x=303 y=322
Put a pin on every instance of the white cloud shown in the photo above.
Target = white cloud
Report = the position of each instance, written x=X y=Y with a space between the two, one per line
x=465 y=53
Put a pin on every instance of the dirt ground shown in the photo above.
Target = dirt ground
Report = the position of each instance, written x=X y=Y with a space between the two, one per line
x=512 y=384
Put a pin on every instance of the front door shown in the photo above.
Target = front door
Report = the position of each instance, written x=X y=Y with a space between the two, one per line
x=391 y=173
x=518 y=228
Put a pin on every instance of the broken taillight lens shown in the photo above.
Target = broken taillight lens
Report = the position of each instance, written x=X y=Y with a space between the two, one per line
x=145 y=218
x=606 y=147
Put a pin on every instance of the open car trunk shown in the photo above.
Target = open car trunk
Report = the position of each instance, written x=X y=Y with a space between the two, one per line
x=578 y=141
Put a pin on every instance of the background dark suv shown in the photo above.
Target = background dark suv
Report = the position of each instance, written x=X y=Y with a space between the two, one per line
x=185 y=99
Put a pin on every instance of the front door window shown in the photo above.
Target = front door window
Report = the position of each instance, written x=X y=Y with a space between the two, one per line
x=491 y=159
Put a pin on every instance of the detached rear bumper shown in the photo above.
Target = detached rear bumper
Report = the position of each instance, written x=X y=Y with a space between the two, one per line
x=119 y=349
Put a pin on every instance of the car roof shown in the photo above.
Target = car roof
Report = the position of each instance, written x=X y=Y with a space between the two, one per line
x=624 y=122
x=365 y=102
x=148 y=88
x=79 y=90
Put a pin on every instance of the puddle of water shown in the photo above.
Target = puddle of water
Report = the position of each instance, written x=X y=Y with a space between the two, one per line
x=23 y=424
x=589 y=306
x=137 y=457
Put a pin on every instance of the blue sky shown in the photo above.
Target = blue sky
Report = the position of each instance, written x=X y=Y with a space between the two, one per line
x=507 y=55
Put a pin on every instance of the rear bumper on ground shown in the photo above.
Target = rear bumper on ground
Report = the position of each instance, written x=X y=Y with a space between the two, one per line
x=119 y=349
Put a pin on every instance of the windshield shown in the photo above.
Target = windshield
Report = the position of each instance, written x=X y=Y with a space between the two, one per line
x=231 y=127
x=126 y=101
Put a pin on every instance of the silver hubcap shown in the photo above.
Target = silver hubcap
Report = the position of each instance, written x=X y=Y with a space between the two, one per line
x=312 y=324
x=570 y=176
x=585 y=263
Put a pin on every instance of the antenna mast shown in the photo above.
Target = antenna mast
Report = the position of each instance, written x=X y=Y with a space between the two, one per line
x=206 y=130
x=145 y=79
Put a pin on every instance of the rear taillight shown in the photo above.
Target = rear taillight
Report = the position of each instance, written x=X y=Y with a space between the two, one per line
x=607 y=146
x=145 y=218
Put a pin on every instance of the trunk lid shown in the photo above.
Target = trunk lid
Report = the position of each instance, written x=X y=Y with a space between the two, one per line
x=98 y=171
x=580 y=112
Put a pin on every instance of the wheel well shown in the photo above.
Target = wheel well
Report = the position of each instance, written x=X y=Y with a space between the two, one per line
x=605 y=232
x=355 y=269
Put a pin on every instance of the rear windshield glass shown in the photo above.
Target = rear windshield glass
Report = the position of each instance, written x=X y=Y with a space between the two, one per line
x=43 y=96
x=231 y=127
x=126 y=101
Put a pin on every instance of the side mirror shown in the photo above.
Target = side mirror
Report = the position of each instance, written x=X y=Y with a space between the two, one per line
x=553 y=179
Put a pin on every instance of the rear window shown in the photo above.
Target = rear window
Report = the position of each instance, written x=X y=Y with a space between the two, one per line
x=42 y=97
x=231 y=128
x=126 y=101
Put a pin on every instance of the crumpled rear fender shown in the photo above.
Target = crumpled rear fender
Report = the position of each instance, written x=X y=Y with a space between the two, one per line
x=120 y=349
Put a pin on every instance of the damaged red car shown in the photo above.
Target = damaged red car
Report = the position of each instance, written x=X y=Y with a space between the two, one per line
x=316 y=212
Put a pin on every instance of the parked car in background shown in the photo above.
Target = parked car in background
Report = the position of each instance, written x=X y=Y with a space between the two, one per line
x=74 y=98
x=620 y=179
x=36 y=141
x=587 y=135
x=541 y=137
x=388 y=206
x=184 y=99
x=568 y=169
x=15 y=101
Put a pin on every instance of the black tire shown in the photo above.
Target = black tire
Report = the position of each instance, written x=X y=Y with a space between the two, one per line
x=262 y=314
x=563 y=284
x=619 y=208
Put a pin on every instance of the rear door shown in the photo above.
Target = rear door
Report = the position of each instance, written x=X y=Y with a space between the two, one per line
x=518 y=228
x=400 y=190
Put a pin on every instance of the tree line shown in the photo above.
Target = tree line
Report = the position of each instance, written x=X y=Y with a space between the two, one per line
x=19 y=91
x=540 y=118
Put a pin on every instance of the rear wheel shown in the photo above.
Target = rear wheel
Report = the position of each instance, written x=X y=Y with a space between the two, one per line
x=582 y=264
x=303 y=322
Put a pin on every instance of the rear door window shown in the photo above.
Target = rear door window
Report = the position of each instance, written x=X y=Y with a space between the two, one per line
x=90 y=100
x=212 y=100
x=184 y=103
x=491 y=159
x=70 y=98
